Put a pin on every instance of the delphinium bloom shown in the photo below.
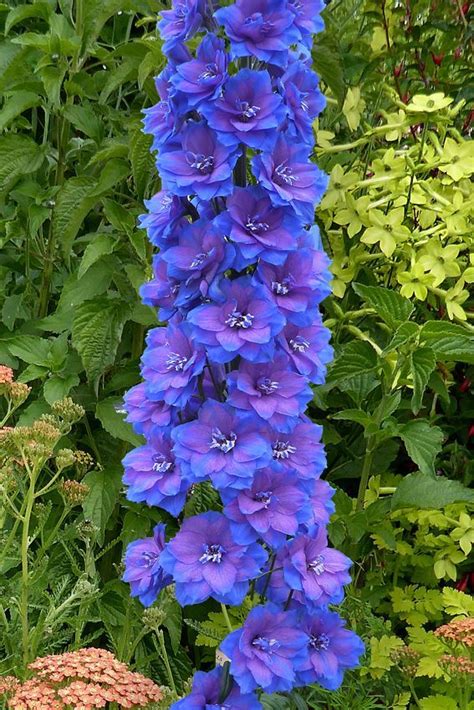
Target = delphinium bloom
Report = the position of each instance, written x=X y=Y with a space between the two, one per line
x=143 y=569
x=206 y=692
x=206 y=561
x=240 y=276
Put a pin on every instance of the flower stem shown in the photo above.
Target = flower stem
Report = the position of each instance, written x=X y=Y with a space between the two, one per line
x=366 y=469
x=226 y=617
x=166 y=661
x=24 y=598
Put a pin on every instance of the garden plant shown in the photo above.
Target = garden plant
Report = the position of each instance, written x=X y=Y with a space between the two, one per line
x=390 y=124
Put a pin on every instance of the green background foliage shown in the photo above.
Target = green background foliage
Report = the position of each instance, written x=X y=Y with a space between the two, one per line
x=397 y=223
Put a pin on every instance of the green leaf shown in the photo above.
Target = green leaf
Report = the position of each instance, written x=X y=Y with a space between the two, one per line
x=102 y=497
x=404 y=333
x=95 y=281
x=86 y=120
x=449 y=341
x=328 y=63
x=173 y=621
x=438 y=702
x=423 y=443
x=31 y=349
x=114 y=171
x=109 y=413
x=354 y=415
x=23 y=12
x=275 y=702
x=141 y=160
x=73 y=204
x=101 y=245
x=135 y=526
x=423 y=362
x=356 y=358
x=57 y=387
x=390 y=306
x=15 y=104
x=11 y=309
x=96 y=332
x=18 y=156
x=421 y=490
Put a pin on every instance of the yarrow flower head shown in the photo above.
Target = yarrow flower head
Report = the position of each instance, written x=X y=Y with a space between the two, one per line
x=143 y=570
x=206 y=694
x=206 y=561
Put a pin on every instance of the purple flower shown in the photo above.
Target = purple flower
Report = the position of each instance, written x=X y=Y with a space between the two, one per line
x=313 y=568
x=308 y=15
x=172 y=363
x=322 y=506
x=145 y=415
x=298 y=285
x=181 y=22
x=269 y=389
x=300 y=449
x=161 y=291
x=200 y=254
x=290 y=177
x=154 y=477
x=332 y=649
x=142 y=567
x=199 y=163
x=260 y=28
x=303 y=100
x=160 y=119
x=200 y=79
x=206 y=561
x=272 y=508
x=267 y=649
x=165 y=210
x=260 y=229
x=308 y=349
x=243 y=322
x=223 y=444
x=205 y=694
x=249 y=111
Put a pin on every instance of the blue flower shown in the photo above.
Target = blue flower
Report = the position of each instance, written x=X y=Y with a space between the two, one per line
x=241 y=321
x=249 y=111
x=201 y=79
x=267 y=650
x=206 y=561
x=332 y=649
x=303 y=100
x=181 y=22
x=198 y=163
x=308 y=349
x=171 y=364
x=153 y=476
x=160 y=119
x=299 y=449
x=206 y=694
x=165 y=210
x=264 y=29
x=161 y=291
x=308 y=15
x=144 y=414
x=142 y=567
x=223 y=444
x=290 y=177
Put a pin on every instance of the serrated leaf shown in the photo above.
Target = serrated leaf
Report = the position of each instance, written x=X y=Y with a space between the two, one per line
x=457 y=603
x=114 y=171
x=18 y=156
x=73 y=204
x=86 y=120
x=101 y=245
x=104 y=489
x=15 y=104
x=141 y=160
x=390 y=306
x=423 y=443
x=449 y=341
x=23 y=12
x=420 y=490
x=173 y=621
x=356 y=358
x=423 y=362
x=438 y=702
x=96 y=332
x=404 y=333
x=31 y=349
x=57 y=387
x=354 y=415
x=107 y=412
x=328 y=63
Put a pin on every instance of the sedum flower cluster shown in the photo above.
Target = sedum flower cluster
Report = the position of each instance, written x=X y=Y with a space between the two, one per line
x=239 y=276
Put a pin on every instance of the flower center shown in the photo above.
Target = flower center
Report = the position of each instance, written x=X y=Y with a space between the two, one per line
x=236 y=319
x=246 y=110
x=317 y=565
x=203 y=163
x=223 y=442
x=267 y=386
x=160 y=463
x=149 y=558
x=284 y=174
x=210 y=72
x=264 y=497
x=165 y=203
x=254 y=18
x=199 y=259
x=283 y=450
x=256 y=227
x=212 y=553
x=299 y=344
x=176 y=362
x=303 y=103
x=283 y=287
x=319 y=642
x=266 y=645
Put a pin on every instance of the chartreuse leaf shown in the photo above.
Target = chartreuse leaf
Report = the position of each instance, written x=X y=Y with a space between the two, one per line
x=423 y=362
x=390 y=306
x=404 y=333
x=421 y=490
x=422 y=442
x=438 y=702
x=104 y=489
x=449 y=341
x=457 y=603
x=96 y=332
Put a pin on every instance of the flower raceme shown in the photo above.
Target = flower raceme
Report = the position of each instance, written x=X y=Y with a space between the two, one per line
x=239 y=276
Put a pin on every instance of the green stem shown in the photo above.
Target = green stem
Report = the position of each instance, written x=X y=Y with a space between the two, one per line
x=166 y=661
x=365 y=475
x=24 y=598
x=420 y=156
x=226 y=617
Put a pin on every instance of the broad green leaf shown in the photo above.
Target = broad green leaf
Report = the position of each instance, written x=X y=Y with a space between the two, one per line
x=104 y=489
x=356 y=358
x=95 y=281
x=404 y=333
x=11 y=309
x=86 y=120
x=15 y=104
x=52 y=78
x=101 y=245
x=449 y=341
x=421 y=490
x=111 y=415
x=423 y=443
x=18 y=156
x=173 y=621
x=438 y=702
x=354 y=415
x=390 y=306
x=113 y=172
x=23 y=12
x=423 y=362
x=328 y=64
x=118 y=216
x=135 y=526
x=73 y=204
x=141 y=160
x=57 y=387
x=31 y=349
x=96 y=332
